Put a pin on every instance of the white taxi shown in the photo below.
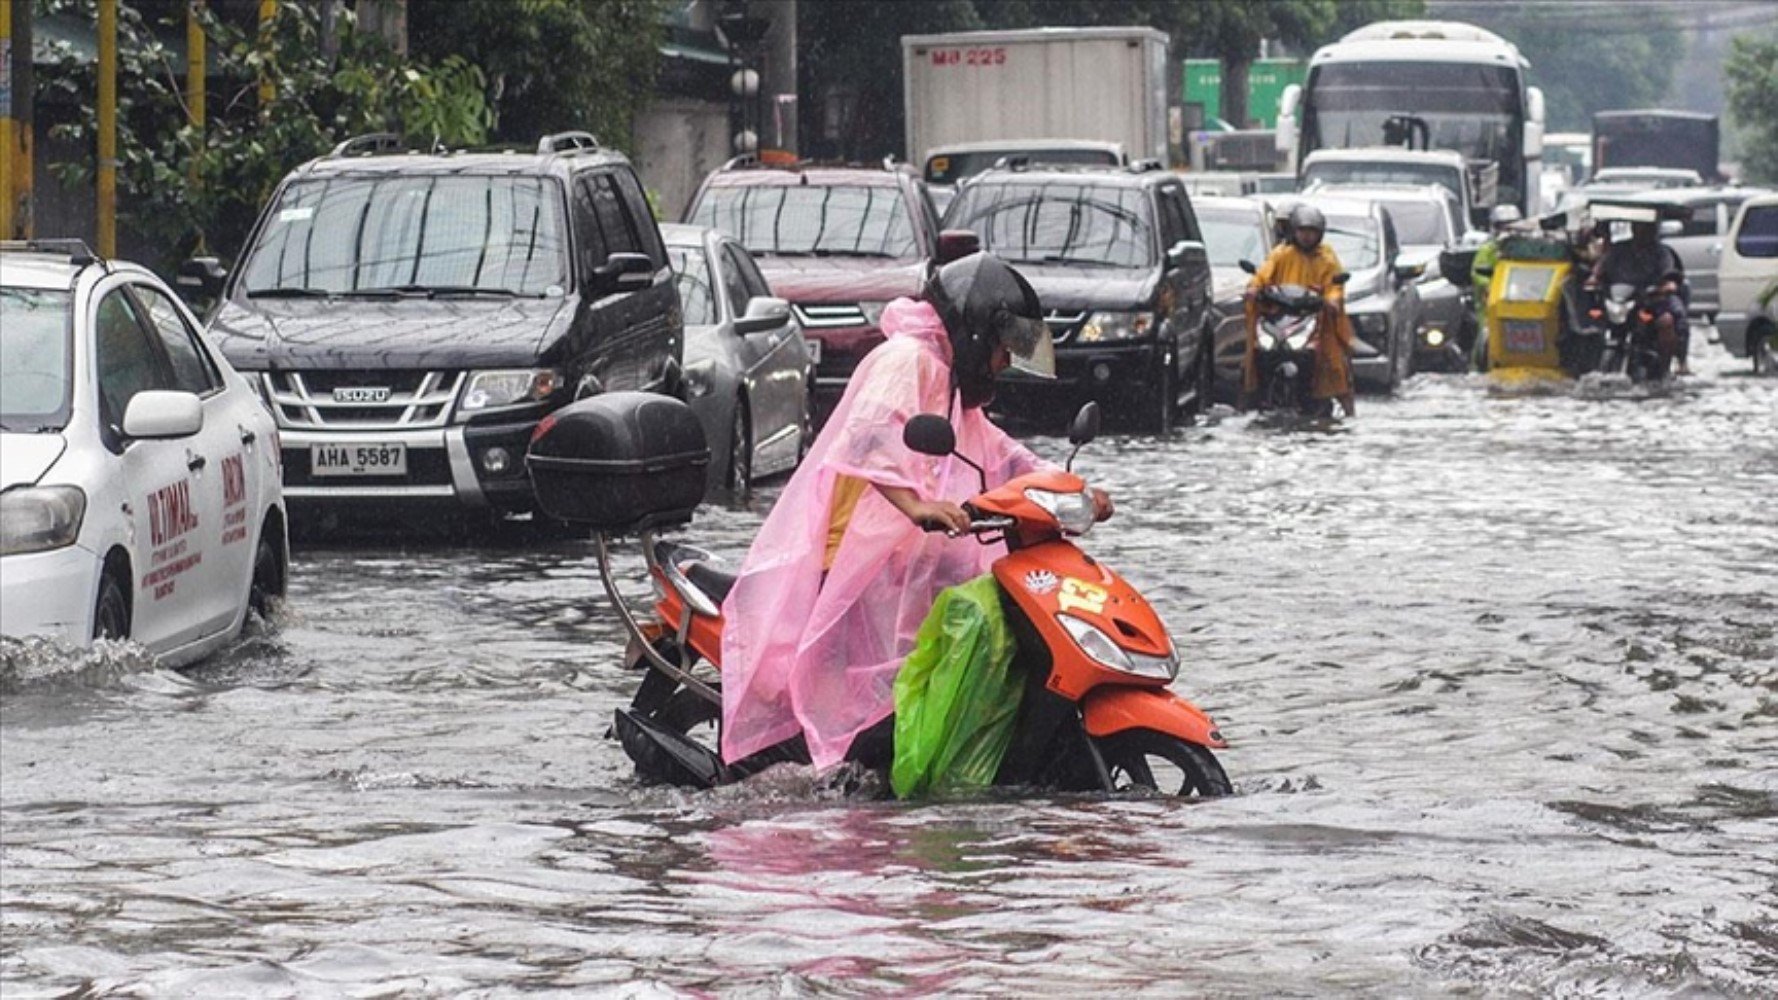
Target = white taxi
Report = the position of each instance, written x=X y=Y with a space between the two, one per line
x=140 y=489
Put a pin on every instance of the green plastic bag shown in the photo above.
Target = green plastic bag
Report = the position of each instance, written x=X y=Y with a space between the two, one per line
x=956 y=697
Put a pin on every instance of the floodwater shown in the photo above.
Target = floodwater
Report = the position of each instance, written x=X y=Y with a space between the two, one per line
x=1499 y=670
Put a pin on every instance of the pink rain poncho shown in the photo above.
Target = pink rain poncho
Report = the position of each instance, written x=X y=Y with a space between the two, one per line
x=800 y=655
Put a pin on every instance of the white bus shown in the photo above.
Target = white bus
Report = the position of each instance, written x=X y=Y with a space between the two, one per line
x=1444 y=84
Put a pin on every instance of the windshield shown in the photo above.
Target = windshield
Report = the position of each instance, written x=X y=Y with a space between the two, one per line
x=1232 y=237
x=1059 y=223
x=691 y=273
x=1354 y=239
x=1471 y=108
x=35 y=359
x=950 y=168
x=1420 y=223
x=1415 y=174
x=346 y=234
x=811 y=220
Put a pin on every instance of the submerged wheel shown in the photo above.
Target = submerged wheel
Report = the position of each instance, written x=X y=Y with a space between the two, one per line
x=111 y=613
x=1145 y=759
x=269 y=575
x=690 y=714
x=1204 y=377
x=740 y=456
x=1166 y=398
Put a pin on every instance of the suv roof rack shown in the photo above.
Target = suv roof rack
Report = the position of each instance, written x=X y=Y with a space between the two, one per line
x=567 y=142
x=369 y=144
x=79 y=254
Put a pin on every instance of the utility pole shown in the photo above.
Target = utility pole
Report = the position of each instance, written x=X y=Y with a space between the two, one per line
x=107 y=206
x=16 y=120
x=195 y=65
x=778 y=69
x=268 y=11
x=387 y=18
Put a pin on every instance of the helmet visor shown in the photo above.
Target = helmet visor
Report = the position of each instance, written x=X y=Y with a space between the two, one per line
x=1028 y=342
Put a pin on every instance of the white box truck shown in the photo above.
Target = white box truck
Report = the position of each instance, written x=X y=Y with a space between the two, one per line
x=1105 y=85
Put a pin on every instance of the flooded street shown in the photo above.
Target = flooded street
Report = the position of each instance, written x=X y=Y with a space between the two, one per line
x=1499 y=672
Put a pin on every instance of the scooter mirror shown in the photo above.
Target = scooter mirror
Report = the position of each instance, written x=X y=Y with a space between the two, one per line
x=1085 y=426
x=1342 y=277
x=1249 y=267
x=929 y=434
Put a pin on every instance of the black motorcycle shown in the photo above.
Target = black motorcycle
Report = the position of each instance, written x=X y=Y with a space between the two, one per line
x=1630 y=343
x=1289 y=316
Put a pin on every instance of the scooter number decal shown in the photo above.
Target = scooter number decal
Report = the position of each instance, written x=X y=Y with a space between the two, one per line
x=1079 y=595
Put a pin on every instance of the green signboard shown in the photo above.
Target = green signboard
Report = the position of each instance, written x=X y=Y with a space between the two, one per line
x=1266 y=80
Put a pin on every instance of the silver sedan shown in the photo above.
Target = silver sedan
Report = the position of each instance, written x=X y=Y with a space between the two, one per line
x=749 y=372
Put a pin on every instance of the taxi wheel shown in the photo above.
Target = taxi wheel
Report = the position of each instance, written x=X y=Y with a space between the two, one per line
x=268 y=576
x=111 y=616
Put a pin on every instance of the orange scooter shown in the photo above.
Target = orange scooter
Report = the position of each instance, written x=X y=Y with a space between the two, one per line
x=1097 y=713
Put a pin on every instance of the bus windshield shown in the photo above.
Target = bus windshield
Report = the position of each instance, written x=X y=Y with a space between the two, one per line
x=1474 y=109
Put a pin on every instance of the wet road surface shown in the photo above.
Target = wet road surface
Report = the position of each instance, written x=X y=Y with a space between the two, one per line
x=1500 y=672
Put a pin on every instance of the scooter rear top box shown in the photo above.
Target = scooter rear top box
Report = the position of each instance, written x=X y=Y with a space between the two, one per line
x=619 y=463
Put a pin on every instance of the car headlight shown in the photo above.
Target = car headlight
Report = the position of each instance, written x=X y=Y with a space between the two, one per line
x=492 y=390
x=1073 y=511
x=873 y=311
x=40 y=518
x=1373 y=327
x=1102 y=326
x=698 y=380
x=1435 y=337
x=1099 y=646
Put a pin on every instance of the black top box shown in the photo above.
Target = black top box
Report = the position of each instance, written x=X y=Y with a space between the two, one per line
x=620 y=463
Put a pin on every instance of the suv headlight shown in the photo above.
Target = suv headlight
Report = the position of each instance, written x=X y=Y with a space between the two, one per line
x=1102 y=326
x=1100 y=647
x=1073 y=511
x=40 y=518
x=513 y=387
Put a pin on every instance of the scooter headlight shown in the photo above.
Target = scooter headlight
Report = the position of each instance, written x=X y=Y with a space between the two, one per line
x=1073 y=511
x=1100 y=647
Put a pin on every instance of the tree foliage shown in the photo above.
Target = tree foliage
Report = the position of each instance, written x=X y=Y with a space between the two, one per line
x=550 y=65
x=1752 y=77
x=179 y=189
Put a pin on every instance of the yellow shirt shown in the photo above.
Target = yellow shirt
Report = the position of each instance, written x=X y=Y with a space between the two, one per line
x=847 y=491
x=1286 y=265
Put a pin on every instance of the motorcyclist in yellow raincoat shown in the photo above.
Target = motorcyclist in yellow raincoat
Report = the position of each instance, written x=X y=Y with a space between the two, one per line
x=1307 y=260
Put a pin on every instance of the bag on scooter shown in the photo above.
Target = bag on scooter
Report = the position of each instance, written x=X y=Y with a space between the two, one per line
x=956 y=697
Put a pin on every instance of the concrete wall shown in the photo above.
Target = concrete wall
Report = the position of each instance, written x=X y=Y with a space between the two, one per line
x=678 y=141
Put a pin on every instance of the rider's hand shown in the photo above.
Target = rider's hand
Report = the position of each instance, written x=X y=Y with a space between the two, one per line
x=938 y=515
x=1102 y=507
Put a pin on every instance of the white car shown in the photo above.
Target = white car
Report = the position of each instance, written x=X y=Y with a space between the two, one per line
x=139 y=476
x=1748 y=281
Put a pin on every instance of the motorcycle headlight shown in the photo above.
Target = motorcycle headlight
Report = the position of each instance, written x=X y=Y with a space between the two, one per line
x=38 y=519
x=1100 y=647
x=873 y=311
x=513 y=387
x=1617 y=311
x=1102 y=326
x=698 y=380
x=1073 y=511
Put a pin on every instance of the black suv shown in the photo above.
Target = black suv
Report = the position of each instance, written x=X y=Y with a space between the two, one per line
x=1118 y=260
x=409 y=318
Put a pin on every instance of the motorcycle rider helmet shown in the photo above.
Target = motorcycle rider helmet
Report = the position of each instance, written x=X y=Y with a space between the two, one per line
x=1307 y=217
x=985 y=305
x=1504 y=216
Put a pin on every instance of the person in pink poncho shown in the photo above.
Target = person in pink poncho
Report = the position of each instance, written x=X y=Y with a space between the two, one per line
x=848 y=563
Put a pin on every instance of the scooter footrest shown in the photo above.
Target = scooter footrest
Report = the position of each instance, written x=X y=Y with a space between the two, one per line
x=663 y=756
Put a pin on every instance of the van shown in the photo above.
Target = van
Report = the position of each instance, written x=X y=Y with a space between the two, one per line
x=1747 y=281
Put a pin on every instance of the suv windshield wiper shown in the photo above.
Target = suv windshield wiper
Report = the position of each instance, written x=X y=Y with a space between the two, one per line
x=289 y=292
x=1056 y=258
x=432 y=292
x=465 y=291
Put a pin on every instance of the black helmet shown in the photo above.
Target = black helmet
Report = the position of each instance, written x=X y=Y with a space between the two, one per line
x=985 y=304
x=1307 y=217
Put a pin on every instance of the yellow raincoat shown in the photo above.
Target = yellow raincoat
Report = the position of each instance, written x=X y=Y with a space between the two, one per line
x=1287 y=265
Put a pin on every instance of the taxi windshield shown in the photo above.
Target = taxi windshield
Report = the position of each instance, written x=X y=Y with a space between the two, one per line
x=36 y=359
